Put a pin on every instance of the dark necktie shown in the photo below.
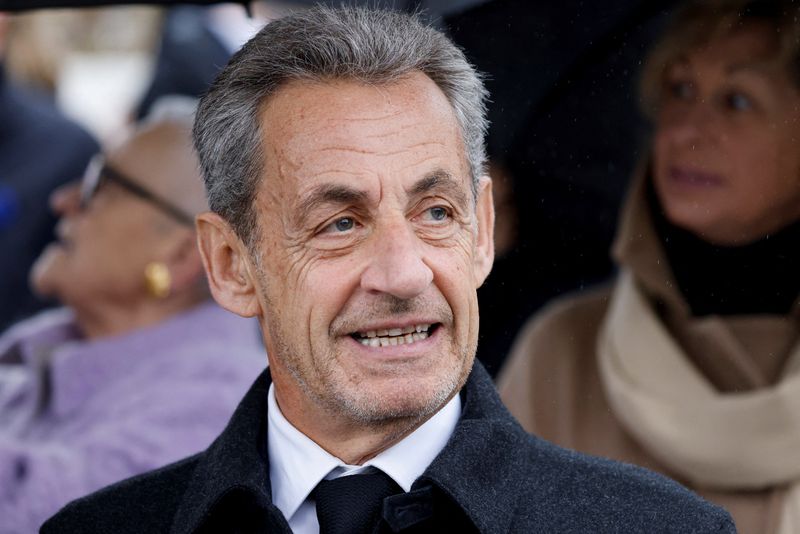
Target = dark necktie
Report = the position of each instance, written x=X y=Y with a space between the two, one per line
x=353 y=504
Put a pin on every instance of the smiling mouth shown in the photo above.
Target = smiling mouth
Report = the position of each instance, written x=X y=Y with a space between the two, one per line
x=395 y=336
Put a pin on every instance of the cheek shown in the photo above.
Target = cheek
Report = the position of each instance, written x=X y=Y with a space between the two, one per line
x=659 y=144
x=96 y=251
x=766 y=171
x=758 y=167
x=662 y=134
x=314 y=290
x=789 y=163
x=453 y=275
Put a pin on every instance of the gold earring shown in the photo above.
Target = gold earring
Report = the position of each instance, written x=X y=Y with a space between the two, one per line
x=157 y=279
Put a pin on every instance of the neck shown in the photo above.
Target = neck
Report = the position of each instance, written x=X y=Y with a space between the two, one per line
x=756 y=278
x=114 y=319
x=352 y=442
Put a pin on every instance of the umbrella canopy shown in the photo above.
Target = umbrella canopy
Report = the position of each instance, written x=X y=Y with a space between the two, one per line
x=564 y=122
x=438 y=7
x=23 y=5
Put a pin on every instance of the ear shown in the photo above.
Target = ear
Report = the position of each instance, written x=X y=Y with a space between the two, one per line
x=226 y=261
x=484 y=244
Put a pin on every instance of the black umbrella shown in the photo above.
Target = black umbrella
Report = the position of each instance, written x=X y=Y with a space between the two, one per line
x=23 y=5
x=438 y=8
x=563 y=77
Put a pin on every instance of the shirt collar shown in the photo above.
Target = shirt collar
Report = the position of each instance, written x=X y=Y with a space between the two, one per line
x=487 y=454
x=298 y=464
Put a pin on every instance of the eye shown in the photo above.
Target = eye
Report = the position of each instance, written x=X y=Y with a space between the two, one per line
x=680 y=89
x=438 y=213
x=340 y=225
x=737 y=101
x=436 y=221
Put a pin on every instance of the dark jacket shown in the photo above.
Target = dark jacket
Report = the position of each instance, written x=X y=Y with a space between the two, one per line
x=491 y=477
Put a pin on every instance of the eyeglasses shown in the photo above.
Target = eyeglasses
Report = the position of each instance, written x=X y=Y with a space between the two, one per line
x=98 y=172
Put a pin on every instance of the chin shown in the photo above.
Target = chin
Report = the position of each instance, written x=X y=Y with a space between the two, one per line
x=409 y=397
x=688 y=214
x=715 y=230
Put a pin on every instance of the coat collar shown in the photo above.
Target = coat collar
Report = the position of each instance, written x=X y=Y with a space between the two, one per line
x=480 y=468
x=638 y=247
x=235 y=461
x=467 y=470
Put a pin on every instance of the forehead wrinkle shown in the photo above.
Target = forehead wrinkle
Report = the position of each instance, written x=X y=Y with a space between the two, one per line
x=399 y=111
x=398 y=130
x=337 y=148
x=333 y=123
x=385 y=134
x=422 y=161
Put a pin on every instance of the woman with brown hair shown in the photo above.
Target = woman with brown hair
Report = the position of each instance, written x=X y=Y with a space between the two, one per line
x=690 y=363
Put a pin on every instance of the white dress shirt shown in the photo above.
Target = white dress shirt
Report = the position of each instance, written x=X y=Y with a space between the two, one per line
x=297 y=464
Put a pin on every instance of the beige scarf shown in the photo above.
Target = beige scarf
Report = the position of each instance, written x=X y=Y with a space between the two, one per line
x=724 y=441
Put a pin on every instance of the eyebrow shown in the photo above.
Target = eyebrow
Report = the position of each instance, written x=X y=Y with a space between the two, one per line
x=343 y=194
x=757 y=67
x=440 y=180
x=330 y=194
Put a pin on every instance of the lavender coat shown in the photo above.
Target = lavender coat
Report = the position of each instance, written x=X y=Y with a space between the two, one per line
x=78 y=415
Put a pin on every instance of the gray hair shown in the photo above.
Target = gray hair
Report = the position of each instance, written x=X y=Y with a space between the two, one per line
x=319 y=44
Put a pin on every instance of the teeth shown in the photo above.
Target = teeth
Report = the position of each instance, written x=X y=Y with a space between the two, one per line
x=394 y=336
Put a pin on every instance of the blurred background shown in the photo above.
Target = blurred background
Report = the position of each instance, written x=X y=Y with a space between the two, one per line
x=567 y=137
x=565 y=128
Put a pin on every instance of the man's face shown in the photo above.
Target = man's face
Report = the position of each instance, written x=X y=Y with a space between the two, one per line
x=370 y=252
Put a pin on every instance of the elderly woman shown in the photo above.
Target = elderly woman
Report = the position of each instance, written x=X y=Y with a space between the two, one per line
x=139 y=368
x=690 y=364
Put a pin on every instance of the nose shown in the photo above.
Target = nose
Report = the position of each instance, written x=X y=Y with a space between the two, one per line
x=396 y=264
x=690 y=126
x=66 y=199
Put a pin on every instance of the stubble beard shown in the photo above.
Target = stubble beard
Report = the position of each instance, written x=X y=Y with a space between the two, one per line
x=328 y=385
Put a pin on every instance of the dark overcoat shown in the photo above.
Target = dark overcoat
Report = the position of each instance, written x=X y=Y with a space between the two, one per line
x=491 y=477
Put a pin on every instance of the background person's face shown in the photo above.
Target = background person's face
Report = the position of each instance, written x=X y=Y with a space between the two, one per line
x=369 y=250
x=727 y=164
x=102 y=248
